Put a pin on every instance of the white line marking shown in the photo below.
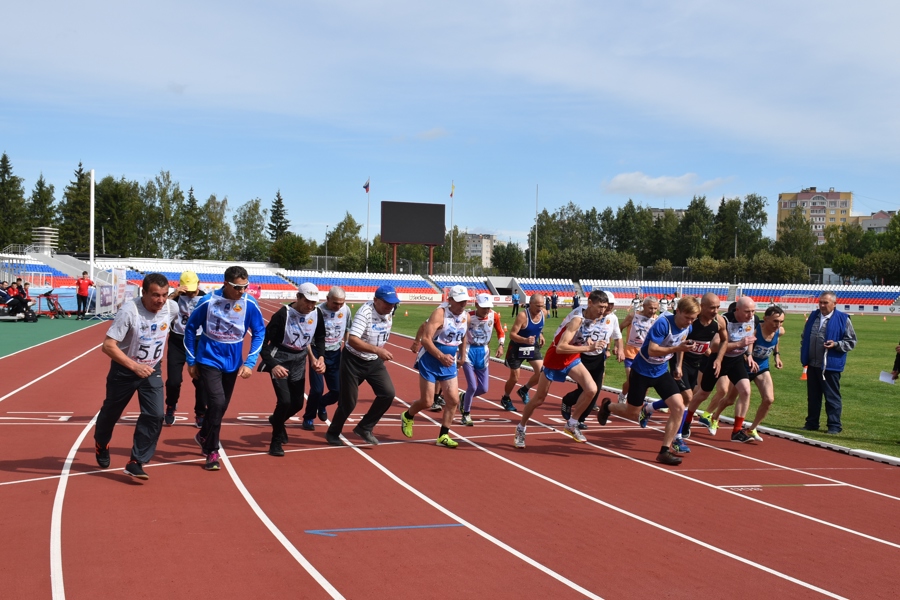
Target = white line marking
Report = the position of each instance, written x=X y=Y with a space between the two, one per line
x=48 y=341
x=273 y=529
x=48 y=373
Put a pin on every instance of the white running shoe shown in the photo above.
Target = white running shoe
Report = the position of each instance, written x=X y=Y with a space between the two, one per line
x=754 y=435
x=622 y=398
x=520 y=438
x=574 y=433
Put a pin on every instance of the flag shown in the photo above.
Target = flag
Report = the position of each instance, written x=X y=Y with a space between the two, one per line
x=366 y=186
x=452 y=187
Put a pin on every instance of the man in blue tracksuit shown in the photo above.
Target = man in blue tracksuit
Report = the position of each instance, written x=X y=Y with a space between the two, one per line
x=827 y=338
x=215 y=358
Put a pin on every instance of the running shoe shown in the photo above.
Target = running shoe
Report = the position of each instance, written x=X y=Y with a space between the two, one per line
x=566 y=411
x=308 y=425
x=283 y=437
x=323 y=414
x=462 y=399
x=644 y=416
x=754 y=435
x=686 y=430
x=134 y=469
x=200 y=442
x=406 y=424
x=333 y=439
x=438 y=404
x=507 y=404
x=465 y=419
x=275 y=448
x=102 y=455
x=523 y=394
x=582 y=425
x=680 y=447
x=520 y=437
x=713 y=426
x=446 y=441
x=622 y=399
x=704 y=418
x=741 y=437
x=212 y=461
x=574 y=433
x=366 y=435
x=603 y=414
x=170 y=415
x=198 y=421
x=667 y=458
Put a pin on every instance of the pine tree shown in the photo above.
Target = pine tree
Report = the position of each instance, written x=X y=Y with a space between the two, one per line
x=278 y=221
x=13 y=213
x=76 y=213
x=192 y=246
x=41 y=209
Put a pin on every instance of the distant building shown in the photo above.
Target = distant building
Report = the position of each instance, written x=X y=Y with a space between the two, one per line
x=820 y=208
x=481 y=246
x=658 y=212
x=878 y=221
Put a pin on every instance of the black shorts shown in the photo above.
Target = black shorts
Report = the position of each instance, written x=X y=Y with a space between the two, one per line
x=516 y=354
x=638 y=385
x=689 y=376
x=732 y=366
x=752 y=376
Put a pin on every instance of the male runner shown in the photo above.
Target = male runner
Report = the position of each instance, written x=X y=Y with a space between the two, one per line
x=483 y=321
x=187 y=296
x=337 y=328
x=526 y=339
x=224 y=317
x=638 y=324
x=135 y=343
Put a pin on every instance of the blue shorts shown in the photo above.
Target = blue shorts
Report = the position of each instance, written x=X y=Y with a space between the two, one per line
x=478 y=357
x=560 y=374
x=628 y=362
x=431 y=370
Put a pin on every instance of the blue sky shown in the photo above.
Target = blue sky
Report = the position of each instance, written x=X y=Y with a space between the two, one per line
x=596 y=102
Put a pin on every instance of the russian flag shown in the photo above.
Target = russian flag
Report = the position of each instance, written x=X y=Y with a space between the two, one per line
x=366 y=186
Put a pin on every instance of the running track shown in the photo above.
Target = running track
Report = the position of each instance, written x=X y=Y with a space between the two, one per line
x=557 y=520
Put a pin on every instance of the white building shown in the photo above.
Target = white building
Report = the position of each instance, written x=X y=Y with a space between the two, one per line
x=480 y=245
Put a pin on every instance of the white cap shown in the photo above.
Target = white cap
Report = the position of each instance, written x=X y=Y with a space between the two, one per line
x=458 y=293
x=484 y=300
x=610 y=297
x=309 y=291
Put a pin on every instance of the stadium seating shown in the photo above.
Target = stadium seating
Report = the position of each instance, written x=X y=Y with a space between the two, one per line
x=564 y=288
x=854 y=295
x=362 y=282
x=477 y=284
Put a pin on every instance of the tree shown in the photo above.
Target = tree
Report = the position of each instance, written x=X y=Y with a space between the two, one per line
x=508 y=259
x=278 y=221
x=662 y=268
x=796 y=238
x=13 y=213
x=122 y=218
x=344 y=238
x=40 y=206
x=705 y=268
x=633 y=227
x=249 y=241
x=666 y=241
x=166 y=197
x=290 y=251
x=76 y=213
x=697 y=228
x=442 y=253
x=194 y=229
x=217 y=242
x=845 y=265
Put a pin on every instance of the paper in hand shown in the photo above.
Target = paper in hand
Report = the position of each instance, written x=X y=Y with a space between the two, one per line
x=886 y=377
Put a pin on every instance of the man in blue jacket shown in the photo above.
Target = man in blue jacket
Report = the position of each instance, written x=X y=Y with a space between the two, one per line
x=827 y=338
x=216 y=357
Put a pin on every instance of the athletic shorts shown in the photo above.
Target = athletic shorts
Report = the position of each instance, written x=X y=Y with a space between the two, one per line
x=752 y=376
x=628 y=362
x=732 y=366
x=517 y=354
x=689 y=376
x=431 y=370
x=477 y=357
x=638 y=385
x=560 y=374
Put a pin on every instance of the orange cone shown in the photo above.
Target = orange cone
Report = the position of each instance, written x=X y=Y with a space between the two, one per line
x=803 y=376
x=505 y=328
x=884 y=318
x=405 y=313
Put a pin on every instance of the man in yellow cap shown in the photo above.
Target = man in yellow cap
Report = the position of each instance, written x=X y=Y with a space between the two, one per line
x=187 y=295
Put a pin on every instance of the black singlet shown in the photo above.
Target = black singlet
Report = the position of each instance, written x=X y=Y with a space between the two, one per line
x=701 y=333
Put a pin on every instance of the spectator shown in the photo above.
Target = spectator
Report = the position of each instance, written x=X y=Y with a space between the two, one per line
x=10 y=297
x=896 y=370
x=82 y=291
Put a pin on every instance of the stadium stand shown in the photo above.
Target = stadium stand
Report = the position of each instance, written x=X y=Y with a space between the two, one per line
x=473 y=283
x=565 y=288
x=362 y=282
x=855 y=295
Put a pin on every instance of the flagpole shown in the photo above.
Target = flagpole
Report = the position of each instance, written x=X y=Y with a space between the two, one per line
x=451 y=227
x=536 y=188
x=368 y=212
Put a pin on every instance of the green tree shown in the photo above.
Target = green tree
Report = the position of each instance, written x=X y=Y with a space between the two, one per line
x=75 y=211
x=662 y=269
x=344 y=238
x=278 y=221
x=796 y=238
x=290 y=251
x=14 y=220
x=704 y=268
x=217 y=244
x=41 y=207
x=891 y=239
x=508 y=259
x=696 y=228
x=442 y=253
x=633 y=227
x=121 y=217
x=666 y=240
x=164 y=198
x=249 y=241
x=194 y=229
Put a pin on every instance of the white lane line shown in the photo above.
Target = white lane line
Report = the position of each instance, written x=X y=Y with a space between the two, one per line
x=48 y=373
x=48 y=341
x=57 y=585
x=273 y=529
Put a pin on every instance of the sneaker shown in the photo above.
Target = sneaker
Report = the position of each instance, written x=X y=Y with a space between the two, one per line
x=582 y=425
x=713 y=426
x=406 y=424
x=462 y=399
x=134 y=469
x=465 y=419
x=603 y=415
x=520 y=438
x=323 y=414
x=680 y=447
x=667 y=458
x=200 y=442
x=366 y=435
x=212 y=461
x=169 y=417
x=566 y=411
x=198 y=421
x=102 y=455
x=308 y=425
x=437 y=405
x=446 y=441
x=574 y=433
x=275 y=448
x=644 y=416
x=741 y=437
x=507 y=404
x=334 y=439
x=754 y=435
x=622 y=398
x=523 y=394
x=283 y=438
x=686 y=430
x=704 y=418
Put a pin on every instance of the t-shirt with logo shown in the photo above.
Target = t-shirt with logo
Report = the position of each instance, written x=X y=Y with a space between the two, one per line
x=142 y=334
x=372 y=328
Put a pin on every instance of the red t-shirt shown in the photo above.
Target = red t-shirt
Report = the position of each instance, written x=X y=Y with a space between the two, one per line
x=81 y=286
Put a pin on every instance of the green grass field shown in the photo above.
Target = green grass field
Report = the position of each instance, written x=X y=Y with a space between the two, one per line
x=871 y=408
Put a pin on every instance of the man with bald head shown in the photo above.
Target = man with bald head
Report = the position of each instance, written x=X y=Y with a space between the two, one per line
x=526 y=339
x=708 y=333
x=337 y=328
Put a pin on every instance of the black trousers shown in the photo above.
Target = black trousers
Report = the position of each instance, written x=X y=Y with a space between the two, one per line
x=596 y=365
x=289 y=392
x=175 y=360
x=82 y=304
x=353 y=372
x=219 y=387
x=121 y=384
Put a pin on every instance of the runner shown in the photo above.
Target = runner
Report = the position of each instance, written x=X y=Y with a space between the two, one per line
x=443 y=351
x=135 y=343
x=638 y=324
x=214 y=356
x=666 y=337
x=290 y=332
x=337 y=328
x=187 y=296
x=83 y=287
x=482 y=322
x=526 y=339
x=363 y=360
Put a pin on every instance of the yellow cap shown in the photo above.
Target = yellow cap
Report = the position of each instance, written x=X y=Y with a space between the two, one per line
x=189 y=281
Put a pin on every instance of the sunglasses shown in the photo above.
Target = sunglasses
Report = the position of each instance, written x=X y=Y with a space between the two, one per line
x=238 y=288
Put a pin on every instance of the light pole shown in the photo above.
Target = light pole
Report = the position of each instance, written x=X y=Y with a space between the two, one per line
x=326 y=247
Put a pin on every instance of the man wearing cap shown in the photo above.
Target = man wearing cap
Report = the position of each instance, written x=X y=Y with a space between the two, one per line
x=337 y=328
x=483 y=321
x=215 y=355
x=443 y=352
x=526 y=339
x=290 y=332
x=364 y=361
x=187 y=296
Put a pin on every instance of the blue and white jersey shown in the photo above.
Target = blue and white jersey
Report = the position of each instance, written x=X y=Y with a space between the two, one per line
x=736 y=333
x=336 y=324
x=224 y=324
x=299 y=328
x=664 y=333
x=451 y=333
x=762 y=349
x=370 y=327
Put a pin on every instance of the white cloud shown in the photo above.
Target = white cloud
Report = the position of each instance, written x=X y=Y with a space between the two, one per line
x=640 y=184
x=432 y=134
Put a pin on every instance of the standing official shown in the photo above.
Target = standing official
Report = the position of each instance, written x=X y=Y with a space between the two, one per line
x=83 y=287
